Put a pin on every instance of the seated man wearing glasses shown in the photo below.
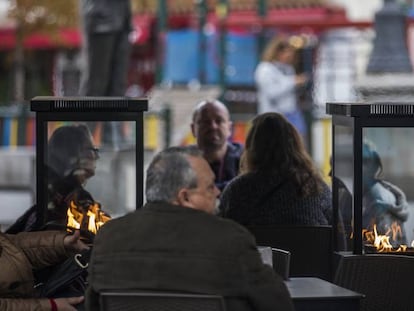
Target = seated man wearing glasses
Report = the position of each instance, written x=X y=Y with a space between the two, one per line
x=71 y=162
x=176 y=243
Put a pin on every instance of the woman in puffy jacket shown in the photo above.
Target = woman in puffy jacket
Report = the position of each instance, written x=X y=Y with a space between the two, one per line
x=22 y=253
x=384 y=204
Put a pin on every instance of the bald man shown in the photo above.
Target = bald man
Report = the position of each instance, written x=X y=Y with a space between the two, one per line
x=211 y=126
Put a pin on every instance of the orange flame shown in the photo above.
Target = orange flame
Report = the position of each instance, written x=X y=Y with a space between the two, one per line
x=382 y=242
x=94 y=217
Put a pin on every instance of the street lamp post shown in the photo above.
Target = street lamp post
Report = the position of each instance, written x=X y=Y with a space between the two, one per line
x=390 y=52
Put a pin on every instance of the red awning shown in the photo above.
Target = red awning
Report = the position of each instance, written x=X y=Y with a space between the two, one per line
x=7 y=40
x=72 y=38
x=310 y=18
x=66 y=38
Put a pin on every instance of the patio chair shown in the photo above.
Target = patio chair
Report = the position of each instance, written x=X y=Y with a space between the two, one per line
x=385 y=280
x=159 y=301
x=310 y=247
x=278 y=259
x=281 y=262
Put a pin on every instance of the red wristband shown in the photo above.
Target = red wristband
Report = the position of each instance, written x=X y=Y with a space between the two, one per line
x=53 y=304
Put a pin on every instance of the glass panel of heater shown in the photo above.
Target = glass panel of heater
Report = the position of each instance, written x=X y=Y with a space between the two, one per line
x=343 y=180
x=388 y=185
x=102 y=163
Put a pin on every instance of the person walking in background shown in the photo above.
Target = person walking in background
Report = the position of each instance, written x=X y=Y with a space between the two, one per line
x=106 y=28
x=277 y=82
x=211 y=126
x=279 y=184
x=175 y=243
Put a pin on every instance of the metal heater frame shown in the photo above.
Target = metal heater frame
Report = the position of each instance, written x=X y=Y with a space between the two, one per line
x=358 y=116
x=49 y=108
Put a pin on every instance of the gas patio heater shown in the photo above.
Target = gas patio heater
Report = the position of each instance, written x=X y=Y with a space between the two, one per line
x=373 y=176
x=115 y=129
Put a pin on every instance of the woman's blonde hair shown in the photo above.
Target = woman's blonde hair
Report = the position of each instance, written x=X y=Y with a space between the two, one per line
x=275 y=47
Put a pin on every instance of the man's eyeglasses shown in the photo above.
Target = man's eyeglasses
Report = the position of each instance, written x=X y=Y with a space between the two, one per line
x=94 y=150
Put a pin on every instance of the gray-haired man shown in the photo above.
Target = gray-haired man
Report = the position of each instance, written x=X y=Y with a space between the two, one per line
x=176 y=243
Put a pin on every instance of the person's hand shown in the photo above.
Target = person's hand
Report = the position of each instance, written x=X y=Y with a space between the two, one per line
x=72 y=242
x=67 y=304
x=301 y=79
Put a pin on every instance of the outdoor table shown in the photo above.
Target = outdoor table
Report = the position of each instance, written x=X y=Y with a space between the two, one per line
x=314 y=294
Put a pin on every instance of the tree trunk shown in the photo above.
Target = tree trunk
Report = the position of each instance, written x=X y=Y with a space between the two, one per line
x=19 y=71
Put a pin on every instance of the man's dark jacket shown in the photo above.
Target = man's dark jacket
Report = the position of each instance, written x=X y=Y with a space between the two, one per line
x=228 y=168
x=169 y=247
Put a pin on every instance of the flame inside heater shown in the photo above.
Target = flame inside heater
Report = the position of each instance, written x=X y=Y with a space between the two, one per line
x=88 y=217
x=382 y=241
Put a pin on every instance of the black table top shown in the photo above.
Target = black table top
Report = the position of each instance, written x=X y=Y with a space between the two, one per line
x=315 y=288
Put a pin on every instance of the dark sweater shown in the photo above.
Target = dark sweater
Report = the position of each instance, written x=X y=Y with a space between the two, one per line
x=242 y=200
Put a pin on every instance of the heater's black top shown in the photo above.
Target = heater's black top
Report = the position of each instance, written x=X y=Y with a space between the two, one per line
x=389 y=109
x=88 y=104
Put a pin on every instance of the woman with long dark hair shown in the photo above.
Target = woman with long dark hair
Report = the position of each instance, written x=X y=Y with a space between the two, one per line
x=279 y=183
